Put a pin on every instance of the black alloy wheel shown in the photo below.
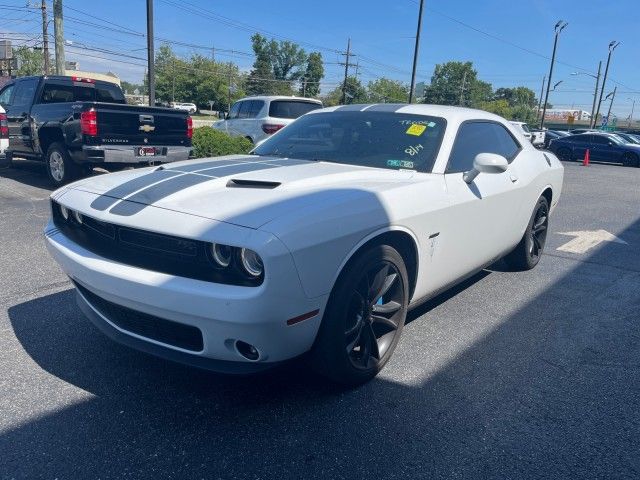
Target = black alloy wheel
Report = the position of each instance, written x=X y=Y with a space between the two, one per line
x=364 y=317
x=374 y=314
x=564 y=154
x=630 y=160
x=527 y=253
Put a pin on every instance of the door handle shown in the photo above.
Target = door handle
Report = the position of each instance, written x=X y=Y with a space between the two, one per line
x=513 y=178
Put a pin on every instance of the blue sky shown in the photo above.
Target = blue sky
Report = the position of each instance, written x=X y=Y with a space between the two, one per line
x=382 y=34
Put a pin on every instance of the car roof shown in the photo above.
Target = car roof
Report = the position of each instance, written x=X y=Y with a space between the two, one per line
x=269 y=98
x=451 y=113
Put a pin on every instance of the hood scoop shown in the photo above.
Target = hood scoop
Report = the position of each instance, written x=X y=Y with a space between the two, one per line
x=243 y=183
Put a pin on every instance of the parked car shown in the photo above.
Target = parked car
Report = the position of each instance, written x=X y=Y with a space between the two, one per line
x=187 y=107
x=552 y=135
x=319 y=241
x=523 y=129
x=603 y=147
x=628 y=137
x=73 y=124
x=537 y=137
x=4 y=136
x=575 y=131
x=255 y=118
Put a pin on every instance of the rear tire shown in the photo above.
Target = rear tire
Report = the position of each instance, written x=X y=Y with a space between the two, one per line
x=60 y=168
x=527 y=253
x=364 y=317
x=630 y=160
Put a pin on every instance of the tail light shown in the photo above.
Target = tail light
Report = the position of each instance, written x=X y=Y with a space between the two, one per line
x=270 y=128
x=189 y=127
x=89 y=123
x=82 y=79
x=4 y=126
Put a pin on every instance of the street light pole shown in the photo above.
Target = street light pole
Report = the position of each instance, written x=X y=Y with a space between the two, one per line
x=415 y=53
x=612 y=46
x=558 y=28
x=541 y=93
x=150 y=55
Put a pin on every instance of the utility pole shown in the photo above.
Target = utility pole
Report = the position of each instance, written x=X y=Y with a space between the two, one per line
x=541 y=93
x=612 y=46
x=45 y=38
x=58 y=31
x=613 y=96
x=213 y=54
x=633 y=107
x=595 y=98
x=415 y=53
x=229 y=98
x=151 y=71
x=558 y=28
x=464 y=81
x=173 y=80
x=346 y=73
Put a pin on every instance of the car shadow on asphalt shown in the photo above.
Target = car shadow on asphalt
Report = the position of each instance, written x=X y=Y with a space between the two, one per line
x=551 y=392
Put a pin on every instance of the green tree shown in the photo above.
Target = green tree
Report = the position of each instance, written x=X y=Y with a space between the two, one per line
x=385 y=90
x=30 y=61
x=455 y=81
x=355 y=93
x=261 y=79
x=130 y=88
x=314 y=73
x=499 y=107
x=517 y=96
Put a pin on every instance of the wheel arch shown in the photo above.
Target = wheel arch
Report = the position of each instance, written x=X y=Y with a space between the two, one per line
x=548 y=194
x=47 y=136
x=400 y=238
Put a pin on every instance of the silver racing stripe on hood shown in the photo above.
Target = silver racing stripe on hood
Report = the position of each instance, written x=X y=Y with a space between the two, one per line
x=158 y=184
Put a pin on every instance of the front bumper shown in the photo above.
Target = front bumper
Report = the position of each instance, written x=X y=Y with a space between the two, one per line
x=222 y=313
x=126 y=154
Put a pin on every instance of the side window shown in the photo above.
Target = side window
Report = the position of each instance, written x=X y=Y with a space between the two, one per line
x=480 y=137
x=256 y=106
x=233 y=113
x=52 y=93
x=245 y=108
x=599 y=140
x=25 y=91
x=5 y=96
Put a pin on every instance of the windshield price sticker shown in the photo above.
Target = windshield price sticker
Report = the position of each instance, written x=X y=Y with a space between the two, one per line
x=416 y=130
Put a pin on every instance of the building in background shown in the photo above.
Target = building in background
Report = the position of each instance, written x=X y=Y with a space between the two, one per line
x=567 y=115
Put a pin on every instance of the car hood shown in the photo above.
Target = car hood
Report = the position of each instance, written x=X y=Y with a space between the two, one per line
x=249 y=191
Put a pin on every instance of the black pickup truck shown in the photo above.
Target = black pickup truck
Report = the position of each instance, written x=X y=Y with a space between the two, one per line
x=74 y=124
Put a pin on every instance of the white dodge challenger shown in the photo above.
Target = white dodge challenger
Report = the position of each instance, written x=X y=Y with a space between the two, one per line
x=316 y=243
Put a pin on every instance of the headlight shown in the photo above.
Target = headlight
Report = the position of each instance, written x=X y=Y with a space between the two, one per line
x=77 y=216
x=251 y=262
x=221 y=254
x=65 y=212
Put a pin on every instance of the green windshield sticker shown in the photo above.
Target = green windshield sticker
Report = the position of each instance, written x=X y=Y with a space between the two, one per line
x=400 y=164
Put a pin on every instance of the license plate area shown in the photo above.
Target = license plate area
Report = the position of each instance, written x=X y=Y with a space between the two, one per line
x=147 y=151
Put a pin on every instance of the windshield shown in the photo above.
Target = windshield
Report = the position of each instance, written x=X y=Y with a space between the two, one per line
x=525 y=127
x=372 y=139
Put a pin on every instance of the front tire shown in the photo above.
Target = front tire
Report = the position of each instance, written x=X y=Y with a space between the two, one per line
x=527 y=253
x=60 y=168
x=364 y=317
x=564 y=154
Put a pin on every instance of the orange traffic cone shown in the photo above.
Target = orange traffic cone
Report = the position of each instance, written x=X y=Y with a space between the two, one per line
x=585 y=162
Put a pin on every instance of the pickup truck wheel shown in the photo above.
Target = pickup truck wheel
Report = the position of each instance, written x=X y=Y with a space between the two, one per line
x=364 y=317
x=60 y=167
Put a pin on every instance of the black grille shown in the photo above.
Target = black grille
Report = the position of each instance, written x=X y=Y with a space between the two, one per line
x=145 y=325
x=152 y=251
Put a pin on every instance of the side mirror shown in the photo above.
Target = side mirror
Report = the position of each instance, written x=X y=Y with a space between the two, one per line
x=486 y=163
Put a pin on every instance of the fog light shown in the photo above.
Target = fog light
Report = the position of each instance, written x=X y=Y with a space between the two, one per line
x=247 y=351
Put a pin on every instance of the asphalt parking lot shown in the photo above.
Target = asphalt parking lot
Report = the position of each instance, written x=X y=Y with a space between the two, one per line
x=510 y=375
